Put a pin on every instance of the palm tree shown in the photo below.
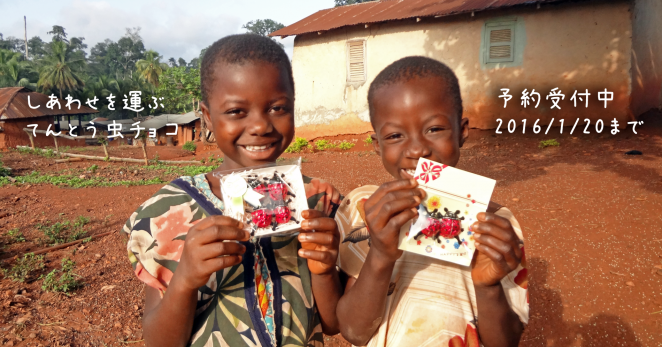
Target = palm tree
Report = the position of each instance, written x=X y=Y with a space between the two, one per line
x=14 y=71
x=151 y=67
x=60 y=67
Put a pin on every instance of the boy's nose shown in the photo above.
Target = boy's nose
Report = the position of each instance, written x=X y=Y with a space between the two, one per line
x=416 y=149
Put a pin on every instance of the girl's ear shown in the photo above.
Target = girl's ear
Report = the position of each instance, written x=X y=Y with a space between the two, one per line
x=375 y=144
x=464 y=130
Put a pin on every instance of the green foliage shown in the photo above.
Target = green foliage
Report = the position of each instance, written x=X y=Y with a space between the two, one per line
x=63 y=232
x=48 y=153
x=368 y=140
x=24 y=267
x=156 y=159
x=548 y=143
x=180 y=89
x=75 y=181
x=345 y=145
x=93 y=168
x=211 y=160
x=189 y=146
x=264 y=27
x=322 y=145
x=297 y=146
x=67 y=280
x=151 y=67
x=61 y=68
x=15 y=235
x=349 y=2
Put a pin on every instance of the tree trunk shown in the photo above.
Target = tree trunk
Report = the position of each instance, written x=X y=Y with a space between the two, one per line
x=57 y=151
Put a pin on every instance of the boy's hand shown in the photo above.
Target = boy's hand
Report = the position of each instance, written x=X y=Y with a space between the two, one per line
x=387 y=210
x=205 y=251
x=498 y=251
x=319 y=247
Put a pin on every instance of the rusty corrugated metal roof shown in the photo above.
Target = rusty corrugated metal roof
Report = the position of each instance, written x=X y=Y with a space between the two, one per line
x=14 y=105
x=387 y=10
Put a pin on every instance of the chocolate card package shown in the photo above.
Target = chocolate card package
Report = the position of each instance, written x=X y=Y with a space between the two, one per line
x=268 y=199
x=443 y=228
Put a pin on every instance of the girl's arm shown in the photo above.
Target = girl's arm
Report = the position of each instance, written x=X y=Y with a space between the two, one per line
x=169 y=321
x=321 y=250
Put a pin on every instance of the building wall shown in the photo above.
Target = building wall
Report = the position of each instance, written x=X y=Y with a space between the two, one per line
x=567 y=46
x=13 y=134
x=646 y=56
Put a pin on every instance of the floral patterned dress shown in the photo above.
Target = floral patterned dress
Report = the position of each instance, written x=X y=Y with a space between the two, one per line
x=264 y=301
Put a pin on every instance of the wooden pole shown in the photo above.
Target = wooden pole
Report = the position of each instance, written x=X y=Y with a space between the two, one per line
x=144 y=146
x=129 y=160
x=105 y=149
x=31 y=140
x=57 y=151
x=25 y=32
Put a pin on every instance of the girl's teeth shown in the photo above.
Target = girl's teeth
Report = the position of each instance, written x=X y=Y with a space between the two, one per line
x=411 y=172
x=257 y=148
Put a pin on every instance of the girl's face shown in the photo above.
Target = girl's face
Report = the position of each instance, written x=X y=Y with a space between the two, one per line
x=250 y=110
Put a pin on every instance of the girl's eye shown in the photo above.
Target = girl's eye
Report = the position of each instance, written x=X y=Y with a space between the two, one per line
x=279 y=109
x=233 y=111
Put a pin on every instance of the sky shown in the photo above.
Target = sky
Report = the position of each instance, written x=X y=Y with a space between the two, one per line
x=172 y=28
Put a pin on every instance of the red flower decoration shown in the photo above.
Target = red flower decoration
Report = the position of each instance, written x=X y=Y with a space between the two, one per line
x=277 y=191
x=430 y=172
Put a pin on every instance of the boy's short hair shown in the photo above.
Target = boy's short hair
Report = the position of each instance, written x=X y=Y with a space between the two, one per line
x=241 y=49
x=417 y=67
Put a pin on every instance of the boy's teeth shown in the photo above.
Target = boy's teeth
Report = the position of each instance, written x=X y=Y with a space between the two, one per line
x=409 y=171
x=257 y=148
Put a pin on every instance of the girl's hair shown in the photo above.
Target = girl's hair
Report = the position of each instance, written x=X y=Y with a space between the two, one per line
x=241 y=49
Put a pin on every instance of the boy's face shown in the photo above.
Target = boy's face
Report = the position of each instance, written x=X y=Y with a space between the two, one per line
x=416 y=119
x=250 y=110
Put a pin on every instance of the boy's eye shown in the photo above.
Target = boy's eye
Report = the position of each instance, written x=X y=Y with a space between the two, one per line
x=436 y=129
x=279 y=109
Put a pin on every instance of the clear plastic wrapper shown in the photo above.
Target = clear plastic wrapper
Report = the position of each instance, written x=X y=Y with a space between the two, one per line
x=269 y=199
x=443 y=227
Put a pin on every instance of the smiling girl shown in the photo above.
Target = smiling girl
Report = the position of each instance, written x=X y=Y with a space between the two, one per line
x=202 y=290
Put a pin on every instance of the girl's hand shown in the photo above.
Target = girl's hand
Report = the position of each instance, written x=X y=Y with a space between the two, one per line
x=387 y=210
x=498 y=251
x=319 y=247
x=205 y=250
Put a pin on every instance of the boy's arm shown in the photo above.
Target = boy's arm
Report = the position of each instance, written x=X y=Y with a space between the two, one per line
x=361 y=308
x=498 y=325
x=498 y=253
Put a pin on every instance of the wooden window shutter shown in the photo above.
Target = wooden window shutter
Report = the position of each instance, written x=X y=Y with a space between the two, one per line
x=356 y=67
x=500 y=39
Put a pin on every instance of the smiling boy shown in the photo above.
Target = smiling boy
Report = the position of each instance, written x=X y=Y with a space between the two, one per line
x=407 y=299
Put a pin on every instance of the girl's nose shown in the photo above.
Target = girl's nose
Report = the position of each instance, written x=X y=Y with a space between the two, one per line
x=260 y=125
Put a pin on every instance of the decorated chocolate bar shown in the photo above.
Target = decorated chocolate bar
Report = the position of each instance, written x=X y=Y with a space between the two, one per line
x=443 y=228
x=268 y=199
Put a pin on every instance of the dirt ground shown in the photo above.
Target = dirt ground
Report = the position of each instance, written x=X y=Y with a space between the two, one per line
x=590 y=215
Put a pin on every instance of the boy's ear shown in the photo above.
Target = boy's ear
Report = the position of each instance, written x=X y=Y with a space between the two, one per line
x=375 y=143
x=464 y=130
x=205 y=116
